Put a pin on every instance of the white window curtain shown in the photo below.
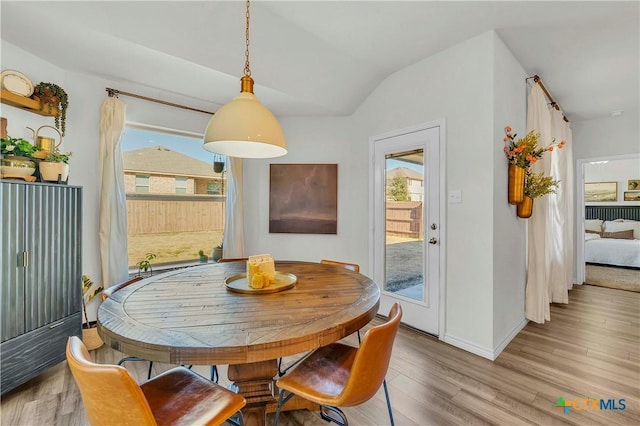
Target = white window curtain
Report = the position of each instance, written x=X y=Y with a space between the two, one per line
x=113 y=207
x=550 y=266
x=233 y=243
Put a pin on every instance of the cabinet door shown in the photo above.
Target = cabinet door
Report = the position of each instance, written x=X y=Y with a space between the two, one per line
x=12 y=247
x=54 y=272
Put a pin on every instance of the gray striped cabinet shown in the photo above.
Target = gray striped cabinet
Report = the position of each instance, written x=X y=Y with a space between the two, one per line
x=41 y=269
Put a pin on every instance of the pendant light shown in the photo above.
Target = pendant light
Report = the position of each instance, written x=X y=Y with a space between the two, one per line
x=244 y=127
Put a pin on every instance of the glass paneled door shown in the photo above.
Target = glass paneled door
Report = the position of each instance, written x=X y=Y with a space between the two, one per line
x=406 y=253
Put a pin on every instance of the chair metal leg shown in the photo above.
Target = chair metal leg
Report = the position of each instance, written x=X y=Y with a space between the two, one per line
x=282 y=372
x=214 y=374
x=130 y=358
x=329 y=418
x=135 y=358
x=281 y=401
x=237 y=419
x=386 y=394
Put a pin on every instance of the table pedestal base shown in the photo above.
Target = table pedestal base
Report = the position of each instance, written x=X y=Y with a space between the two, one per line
x=255 y=382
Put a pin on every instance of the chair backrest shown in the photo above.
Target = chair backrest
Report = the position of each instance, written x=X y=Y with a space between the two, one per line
x=237 y=259
x=110 y=394
x=350 y=266
x=109 y=291
x=372 y=361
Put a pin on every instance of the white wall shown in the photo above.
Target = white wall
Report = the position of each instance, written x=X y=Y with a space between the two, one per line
x=606 y=136
x=509 y=242
x=457 y=84
x=312 y=140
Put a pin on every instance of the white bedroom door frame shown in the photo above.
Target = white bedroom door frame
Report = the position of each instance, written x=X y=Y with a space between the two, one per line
x=428 y=314
x=580 y=204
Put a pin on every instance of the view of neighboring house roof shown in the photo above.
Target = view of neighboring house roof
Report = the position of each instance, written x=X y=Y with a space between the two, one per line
x=405 y=173
x=162 y=160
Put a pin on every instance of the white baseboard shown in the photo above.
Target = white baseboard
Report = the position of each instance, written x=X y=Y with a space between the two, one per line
x=469 y=346
x=487 y=353
x=509 y=337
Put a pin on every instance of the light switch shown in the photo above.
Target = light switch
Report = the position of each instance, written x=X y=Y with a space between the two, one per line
x=455 y=196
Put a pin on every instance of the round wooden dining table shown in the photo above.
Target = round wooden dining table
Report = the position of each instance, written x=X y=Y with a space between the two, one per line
x=189 y=316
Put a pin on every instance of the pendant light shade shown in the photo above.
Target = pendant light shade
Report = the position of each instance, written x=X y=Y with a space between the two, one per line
x=245 y=128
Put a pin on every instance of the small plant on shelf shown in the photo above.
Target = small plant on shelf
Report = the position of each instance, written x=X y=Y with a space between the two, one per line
x=145 y=264
x=203 y=257
x=52 y=95
x=17 y=146
x=56 y=156
x=55 y=167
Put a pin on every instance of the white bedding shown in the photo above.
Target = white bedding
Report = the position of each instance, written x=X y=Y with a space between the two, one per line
x=612 y=251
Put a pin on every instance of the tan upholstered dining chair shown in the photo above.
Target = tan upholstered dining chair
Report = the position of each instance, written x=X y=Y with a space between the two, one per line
x=350 y=266
x=179 y=396
x=340 y=375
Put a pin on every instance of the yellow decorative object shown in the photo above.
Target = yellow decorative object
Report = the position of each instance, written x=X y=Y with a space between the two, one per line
x=238 y=284
x=261 y=271
x=516 y=184
x=525 y=209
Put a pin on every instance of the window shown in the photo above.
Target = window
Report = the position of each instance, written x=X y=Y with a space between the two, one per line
x=214 y=188
x=181 y=185
x=142 y=183
x=174 y=206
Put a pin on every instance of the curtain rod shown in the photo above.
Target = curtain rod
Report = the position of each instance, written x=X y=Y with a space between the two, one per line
x=116 y=92
x=536 y=78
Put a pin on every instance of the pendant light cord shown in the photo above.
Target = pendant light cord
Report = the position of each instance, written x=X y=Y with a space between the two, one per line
x=247 y=70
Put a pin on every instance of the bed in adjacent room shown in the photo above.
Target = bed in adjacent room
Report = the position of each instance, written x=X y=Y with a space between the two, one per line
x=612 y=242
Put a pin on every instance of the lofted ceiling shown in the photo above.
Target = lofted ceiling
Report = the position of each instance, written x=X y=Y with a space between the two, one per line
x=326 y=57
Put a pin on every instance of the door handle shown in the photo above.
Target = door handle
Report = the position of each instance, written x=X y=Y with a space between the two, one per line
x=433 y=240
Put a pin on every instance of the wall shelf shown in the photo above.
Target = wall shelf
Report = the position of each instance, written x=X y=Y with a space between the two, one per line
x=28 y=104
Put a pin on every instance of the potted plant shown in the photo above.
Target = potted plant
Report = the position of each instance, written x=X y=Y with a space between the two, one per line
x=52 y=95
x=55 y=167
x=16 y=157
x=203 y=257
x=145 y=264
x=90 y=335
x=217 y=252
x=522 y=154
x=218 y=163
x=536 y=185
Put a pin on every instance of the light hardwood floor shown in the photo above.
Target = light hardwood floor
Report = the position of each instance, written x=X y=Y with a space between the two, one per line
x=590 y=349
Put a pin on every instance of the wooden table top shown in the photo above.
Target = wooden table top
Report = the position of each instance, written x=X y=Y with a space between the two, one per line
x=189 y=316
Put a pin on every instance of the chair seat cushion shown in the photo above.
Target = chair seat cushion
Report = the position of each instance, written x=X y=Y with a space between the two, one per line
x=182 y=397
x=322 y=376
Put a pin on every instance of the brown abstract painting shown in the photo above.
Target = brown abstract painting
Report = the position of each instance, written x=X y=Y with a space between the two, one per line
x=303 y=198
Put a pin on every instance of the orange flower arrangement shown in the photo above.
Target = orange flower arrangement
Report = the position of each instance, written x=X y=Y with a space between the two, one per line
x=524 y=152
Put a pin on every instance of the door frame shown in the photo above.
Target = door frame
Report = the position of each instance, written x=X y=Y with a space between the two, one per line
x=441 y=124
x=580 y=265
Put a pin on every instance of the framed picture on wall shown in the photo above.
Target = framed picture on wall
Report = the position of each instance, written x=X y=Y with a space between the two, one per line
x=601 y=191
x=632 y=195
x=303 y=198
x=633 y=185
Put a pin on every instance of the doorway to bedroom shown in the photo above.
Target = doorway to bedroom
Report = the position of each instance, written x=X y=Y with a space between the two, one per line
x=608 y=222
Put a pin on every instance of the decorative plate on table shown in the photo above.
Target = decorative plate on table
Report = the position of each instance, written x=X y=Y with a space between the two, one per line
x=16 y=82
x=239 y=284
